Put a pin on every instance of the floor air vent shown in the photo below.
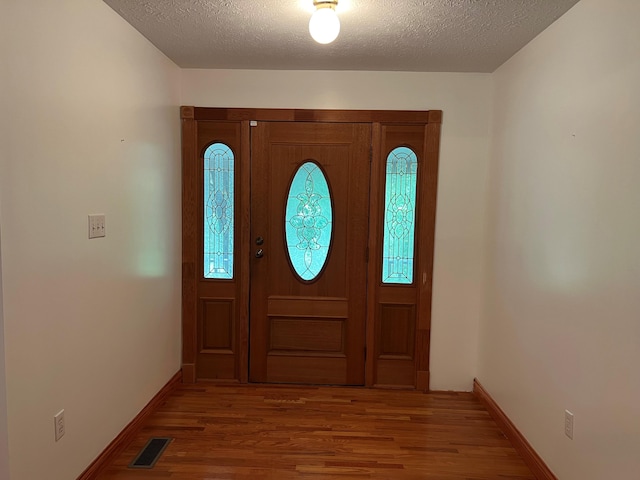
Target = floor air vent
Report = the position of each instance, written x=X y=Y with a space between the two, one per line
x=151 y=452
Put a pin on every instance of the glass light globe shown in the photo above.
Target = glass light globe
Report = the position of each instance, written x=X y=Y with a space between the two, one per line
x=324 y=25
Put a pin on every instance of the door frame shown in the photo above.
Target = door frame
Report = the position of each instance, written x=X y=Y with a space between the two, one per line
x=379 y=119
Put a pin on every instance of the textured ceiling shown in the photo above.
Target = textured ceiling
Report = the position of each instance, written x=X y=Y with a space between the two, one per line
x=386 y=35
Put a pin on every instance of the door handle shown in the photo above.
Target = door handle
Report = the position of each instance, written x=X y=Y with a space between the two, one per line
x=259 y=241
x=259 y=253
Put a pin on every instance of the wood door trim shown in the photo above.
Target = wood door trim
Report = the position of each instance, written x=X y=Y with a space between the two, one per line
x=374 y=222
x=189 y=245
x=303 y=115
x=429 y=179
x=245 y=246
x=190 y=116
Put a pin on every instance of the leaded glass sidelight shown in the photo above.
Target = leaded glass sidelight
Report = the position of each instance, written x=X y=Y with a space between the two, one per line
x=308 y=219
x=218 y=211
x=399 y=216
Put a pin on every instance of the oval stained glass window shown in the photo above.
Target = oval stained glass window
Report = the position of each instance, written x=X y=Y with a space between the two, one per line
x=308 y=216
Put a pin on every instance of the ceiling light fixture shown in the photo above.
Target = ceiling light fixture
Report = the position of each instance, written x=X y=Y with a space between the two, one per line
x=324 y=25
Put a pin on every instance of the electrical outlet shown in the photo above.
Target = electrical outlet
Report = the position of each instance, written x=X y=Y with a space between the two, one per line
x=568 y=424
x=97 y=226
x=58 y=423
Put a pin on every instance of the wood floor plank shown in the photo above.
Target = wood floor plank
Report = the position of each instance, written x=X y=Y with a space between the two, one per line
x=291 y=432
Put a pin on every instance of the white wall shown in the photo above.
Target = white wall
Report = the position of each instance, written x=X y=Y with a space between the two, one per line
x=466 y=102
x=4 y=127
x=91 y=326
x=561 y=328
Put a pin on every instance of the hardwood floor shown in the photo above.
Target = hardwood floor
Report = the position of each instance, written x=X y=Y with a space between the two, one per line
x=286 y=432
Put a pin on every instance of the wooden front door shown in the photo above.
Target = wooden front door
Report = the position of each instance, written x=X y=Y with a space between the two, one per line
x=309 y=231
x=307 y=245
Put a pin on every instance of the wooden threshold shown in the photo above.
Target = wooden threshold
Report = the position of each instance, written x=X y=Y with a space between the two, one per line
x=129 y=432
x=520 y=443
